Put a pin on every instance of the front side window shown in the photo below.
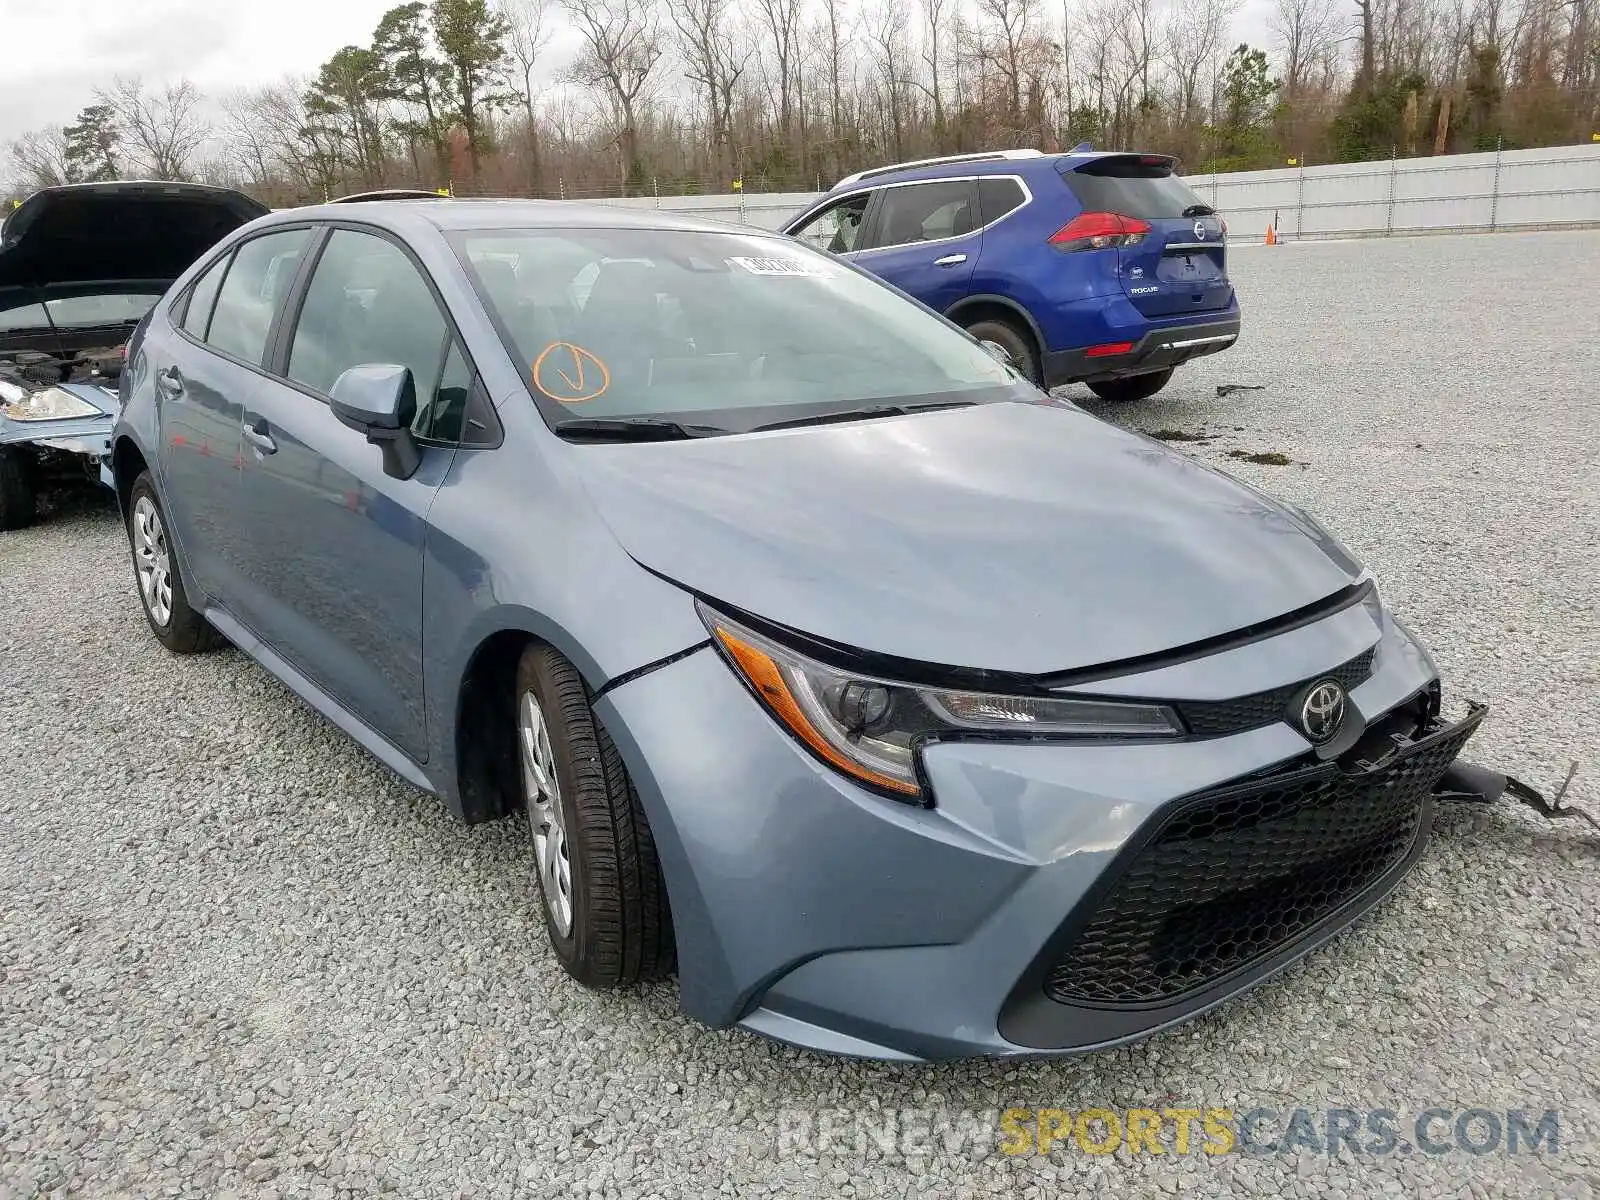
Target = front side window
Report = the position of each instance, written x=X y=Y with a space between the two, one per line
x=926 y=212
x=836 y=228
x=251 y=290
x=727 y=330
x=368 y=303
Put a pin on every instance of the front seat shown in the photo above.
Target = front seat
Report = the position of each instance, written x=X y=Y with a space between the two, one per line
x=621 y=321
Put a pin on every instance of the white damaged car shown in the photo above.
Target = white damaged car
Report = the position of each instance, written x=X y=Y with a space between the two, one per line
x=80 y=266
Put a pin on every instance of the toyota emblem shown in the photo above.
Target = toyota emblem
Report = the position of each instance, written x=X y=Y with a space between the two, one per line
x=1199 y=231
x=1322 y=711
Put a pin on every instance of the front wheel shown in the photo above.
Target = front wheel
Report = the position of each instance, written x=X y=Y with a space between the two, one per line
x=176 y=624
x=19 y=498
x=1016 y=346
x=605 y=904
x=1131 y=387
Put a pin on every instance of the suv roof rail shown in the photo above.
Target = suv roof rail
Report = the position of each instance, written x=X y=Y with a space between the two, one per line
x=985 y=156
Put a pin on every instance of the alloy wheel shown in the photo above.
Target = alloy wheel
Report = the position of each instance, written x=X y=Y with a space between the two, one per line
x=542 y=795
x=152 y=561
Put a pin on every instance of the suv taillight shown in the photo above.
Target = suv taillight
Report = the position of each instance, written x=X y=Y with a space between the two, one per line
x=1097 y=230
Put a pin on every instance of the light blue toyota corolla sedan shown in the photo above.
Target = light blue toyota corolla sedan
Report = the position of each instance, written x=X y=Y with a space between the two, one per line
x=910 y=712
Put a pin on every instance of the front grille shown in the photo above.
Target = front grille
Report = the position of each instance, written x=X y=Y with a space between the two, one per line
x=1209 y=718
x=1236 y=872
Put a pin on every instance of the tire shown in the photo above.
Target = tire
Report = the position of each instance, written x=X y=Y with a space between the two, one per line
x=1131 y=387
x=19 y=497
x=176 y=624
x=604 y=900
x=1017 y=345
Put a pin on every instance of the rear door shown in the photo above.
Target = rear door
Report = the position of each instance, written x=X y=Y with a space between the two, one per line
x=205 y=372
x=1180 y=262
x=924 y=239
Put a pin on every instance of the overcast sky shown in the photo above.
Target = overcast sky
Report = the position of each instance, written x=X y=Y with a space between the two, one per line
x=57 y=51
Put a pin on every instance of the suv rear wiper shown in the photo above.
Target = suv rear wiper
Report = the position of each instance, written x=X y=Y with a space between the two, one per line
x=860 y=414
x=631 y=429
x=1198 y=210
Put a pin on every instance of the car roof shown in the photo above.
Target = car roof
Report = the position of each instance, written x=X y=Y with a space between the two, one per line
x=411 y=215
x=1015 y=163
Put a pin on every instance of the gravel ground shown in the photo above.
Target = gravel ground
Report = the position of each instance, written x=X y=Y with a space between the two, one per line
x=239 y=958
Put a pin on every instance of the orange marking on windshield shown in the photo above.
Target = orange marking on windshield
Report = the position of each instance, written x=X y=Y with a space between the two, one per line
x=569 y=373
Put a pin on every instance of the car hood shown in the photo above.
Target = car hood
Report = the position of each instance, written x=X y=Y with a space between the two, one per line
x=133 y=230
x=1028 y=538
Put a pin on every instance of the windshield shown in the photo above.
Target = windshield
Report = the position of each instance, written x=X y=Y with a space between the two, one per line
x=724 y=331
x=1152 y=193
x=78 y=312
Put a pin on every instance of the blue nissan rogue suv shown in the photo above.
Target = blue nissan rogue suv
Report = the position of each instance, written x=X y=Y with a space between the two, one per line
x=1090 y=267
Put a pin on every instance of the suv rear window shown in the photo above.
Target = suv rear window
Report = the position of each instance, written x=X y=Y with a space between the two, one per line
x=1133 y=189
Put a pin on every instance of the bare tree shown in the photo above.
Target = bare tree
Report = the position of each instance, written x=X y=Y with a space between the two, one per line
x=886 y=33
x=1308 y=31
x=713 y=60
x=622 y=48
x=165 y=127
x=934 y=14
x=782 y=21
x=40 y=158
x=1006 y=25
x=527 y=38
x=1196 y=34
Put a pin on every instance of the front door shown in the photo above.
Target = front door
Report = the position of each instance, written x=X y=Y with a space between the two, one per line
x=336 y=548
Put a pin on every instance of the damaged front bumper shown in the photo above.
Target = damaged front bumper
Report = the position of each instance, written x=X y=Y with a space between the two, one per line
x=87 y=439
x=1479 y=785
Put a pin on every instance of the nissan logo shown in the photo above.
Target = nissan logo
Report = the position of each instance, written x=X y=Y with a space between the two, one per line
x=1322 y=711
x=1199 y=231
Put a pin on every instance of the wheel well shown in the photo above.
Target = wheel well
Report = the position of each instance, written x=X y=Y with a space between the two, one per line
x=989 y=310
x=126 y=465
x=486 y=732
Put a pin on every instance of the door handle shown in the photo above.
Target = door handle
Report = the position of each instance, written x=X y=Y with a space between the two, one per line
x=950 y=260
x=255 y=432
x=169 y=382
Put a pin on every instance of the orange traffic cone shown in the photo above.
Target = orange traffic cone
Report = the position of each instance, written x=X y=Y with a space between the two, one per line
x=1272 y=236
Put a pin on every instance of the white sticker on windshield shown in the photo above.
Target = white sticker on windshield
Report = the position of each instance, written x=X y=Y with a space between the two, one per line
x=778 y=266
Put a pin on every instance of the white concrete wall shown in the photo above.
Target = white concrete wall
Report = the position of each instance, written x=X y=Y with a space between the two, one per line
x=1517 y=188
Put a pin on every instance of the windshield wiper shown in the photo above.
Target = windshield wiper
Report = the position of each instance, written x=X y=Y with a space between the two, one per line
x=861 y=414
x=1198 y=210
x=631 y=429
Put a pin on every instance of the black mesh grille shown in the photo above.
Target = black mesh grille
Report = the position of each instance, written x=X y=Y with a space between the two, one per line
x=1238 y=871
x=1209 y=718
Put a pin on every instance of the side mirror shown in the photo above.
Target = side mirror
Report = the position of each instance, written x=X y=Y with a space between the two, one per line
x=380 y=400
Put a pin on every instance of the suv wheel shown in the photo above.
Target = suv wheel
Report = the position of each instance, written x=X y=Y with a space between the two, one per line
x=175 y=623
x=1018 y=347
x=19 y=502
x=1131 y=387
x=605 y=904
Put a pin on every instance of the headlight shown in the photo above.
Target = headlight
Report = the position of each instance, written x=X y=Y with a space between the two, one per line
x=870 y=728
x=49 y=404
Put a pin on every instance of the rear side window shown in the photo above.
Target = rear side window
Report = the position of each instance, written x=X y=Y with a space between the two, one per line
x=201 y=296
x=997 y=197
x=926 y=212
x=1134 y=190
x=261 y=271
